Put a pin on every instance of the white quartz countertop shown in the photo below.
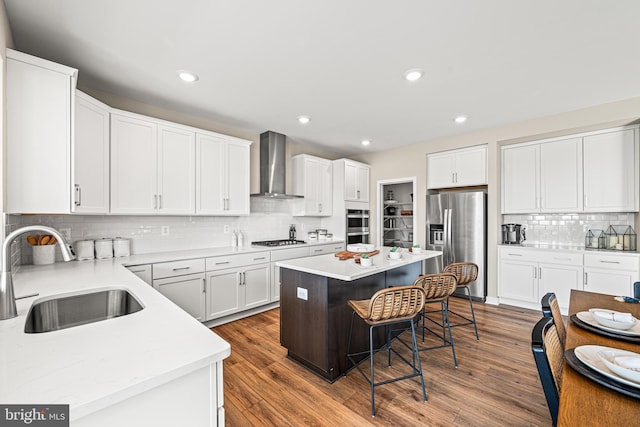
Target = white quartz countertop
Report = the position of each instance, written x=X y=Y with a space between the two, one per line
x=96 y=365
x=212 y=252
x=569 y=247
x=330 y=266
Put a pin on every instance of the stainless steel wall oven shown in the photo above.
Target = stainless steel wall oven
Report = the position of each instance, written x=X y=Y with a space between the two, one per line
x=357 y=226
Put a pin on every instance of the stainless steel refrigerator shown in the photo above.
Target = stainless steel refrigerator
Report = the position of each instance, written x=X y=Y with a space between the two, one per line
x=457 y=226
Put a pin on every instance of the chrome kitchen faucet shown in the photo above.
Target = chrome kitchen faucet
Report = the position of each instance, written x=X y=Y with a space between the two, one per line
x=7 y=299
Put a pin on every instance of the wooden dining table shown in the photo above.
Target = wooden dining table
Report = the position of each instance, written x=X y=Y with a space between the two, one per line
x=582 y=401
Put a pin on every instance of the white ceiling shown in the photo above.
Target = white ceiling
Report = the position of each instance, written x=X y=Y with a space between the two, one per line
x=264 y=63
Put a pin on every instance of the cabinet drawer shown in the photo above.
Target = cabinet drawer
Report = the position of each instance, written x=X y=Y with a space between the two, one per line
x=516 y=254
x=232 y=261
x=614 y=262
x=291 y=253
x=564 y=258
x=178 y=268
x=326 y=249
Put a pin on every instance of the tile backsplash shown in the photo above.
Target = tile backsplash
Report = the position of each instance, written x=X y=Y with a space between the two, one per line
x=566 y=228
x=269 y=219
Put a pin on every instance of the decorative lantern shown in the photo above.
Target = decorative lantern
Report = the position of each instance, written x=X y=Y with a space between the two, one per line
x=614 y=237
x=594 y=239
x=629 y=239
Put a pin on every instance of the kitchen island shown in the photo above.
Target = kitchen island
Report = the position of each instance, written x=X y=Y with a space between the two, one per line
x=314 y=315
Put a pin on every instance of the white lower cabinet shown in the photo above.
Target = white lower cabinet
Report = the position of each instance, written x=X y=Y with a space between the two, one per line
x=526 y=275
x=236 y=283
x=183 y=282
x=610 y=273
x=187 y=292
x=281 y=255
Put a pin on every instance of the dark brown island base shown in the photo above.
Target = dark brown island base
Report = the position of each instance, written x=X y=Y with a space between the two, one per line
x=314 y=315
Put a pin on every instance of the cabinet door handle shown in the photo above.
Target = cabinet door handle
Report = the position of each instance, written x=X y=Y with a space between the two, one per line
x=319 y=207
x=160 y=201
x=585 y=277
x=204 y=287
x=539 y=273
x=78 y=195
x=155 y=201
x=357 y=194
x=181 y=268
x=535 y=273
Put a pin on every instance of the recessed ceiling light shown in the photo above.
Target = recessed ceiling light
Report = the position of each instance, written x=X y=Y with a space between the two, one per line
x=187 y=76
x=303 y=120
x=366 y=142
x=460 y=119
x=413 y=75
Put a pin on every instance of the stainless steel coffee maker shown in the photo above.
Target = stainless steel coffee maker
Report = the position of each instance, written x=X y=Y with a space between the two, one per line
x=513 y=234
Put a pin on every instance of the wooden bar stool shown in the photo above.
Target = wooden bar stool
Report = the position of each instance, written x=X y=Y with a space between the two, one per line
x=466 y=273
x=437 y=288
x=385 y=308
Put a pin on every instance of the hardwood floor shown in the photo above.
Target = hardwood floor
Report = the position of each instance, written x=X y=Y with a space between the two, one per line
x=496 y=382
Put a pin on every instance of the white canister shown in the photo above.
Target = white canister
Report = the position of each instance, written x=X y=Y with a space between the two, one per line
x=44 y=254
x=84 y=249
x=121 y=247
x=104 y=248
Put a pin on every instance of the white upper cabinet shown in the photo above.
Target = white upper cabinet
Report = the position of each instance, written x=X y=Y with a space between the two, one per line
x=40 y=98
x=611 y=171
x=355 y=178
x=152 y=167
x=457 y=168
x=520 y=179
x=543 y=177
x=592 y=172
x=90 y=156
x=561 y=176
x=312 y=178
x=222 y=175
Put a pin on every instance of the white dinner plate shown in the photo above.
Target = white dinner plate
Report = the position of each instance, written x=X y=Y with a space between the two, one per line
x=586 y=317
x=588 y=354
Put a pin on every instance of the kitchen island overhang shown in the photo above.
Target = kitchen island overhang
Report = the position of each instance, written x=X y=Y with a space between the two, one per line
x=314 y=315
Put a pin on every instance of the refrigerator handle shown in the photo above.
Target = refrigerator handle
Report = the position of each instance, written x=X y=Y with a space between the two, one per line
x=446 y=242
x=450 y=238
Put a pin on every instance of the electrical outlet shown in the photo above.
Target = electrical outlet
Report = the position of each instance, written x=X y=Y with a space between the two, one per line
x=226 y=229
x=302 y=293
x=66 y=234
x=164 y=230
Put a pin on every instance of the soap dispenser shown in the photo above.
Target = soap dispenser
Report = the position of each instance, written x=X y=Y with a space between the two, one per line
x=240 y=238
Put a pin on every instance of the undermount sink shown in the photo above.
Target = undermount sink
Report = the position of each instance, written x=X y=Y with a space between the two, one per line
x=74 y=310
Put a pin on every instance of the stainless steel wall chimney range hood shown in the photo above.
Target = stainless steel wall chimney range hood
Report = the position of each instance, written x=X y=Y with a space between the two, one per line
x=272 y=166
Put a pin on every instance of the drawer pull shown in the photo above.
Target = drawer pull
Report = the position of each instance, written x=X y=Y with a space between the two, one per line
x=138 y=271
x=259 y=258
x=562 y=259
x=514 y=254
x=317 y=250
x=181 y=268
x=222 y=263
x=610 y=262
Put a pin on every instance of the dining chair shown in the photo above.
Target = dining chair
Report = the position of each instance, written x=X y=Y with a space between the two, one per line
x=437 y=289
x=551 y=308
x=548 y=355
x=387 y=307
x=466 y=273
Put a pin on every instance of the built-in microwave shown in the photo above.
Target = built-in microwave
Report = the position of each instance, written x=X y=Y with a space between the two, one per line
x=357 y=226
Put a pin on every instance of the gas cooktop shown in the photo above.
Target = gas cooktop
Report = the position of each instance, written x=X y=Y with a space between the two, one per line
x=281 y=242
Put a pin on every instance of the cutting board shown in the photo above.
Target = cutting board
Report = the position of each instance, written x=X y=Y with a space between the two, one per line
x=344 y=255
